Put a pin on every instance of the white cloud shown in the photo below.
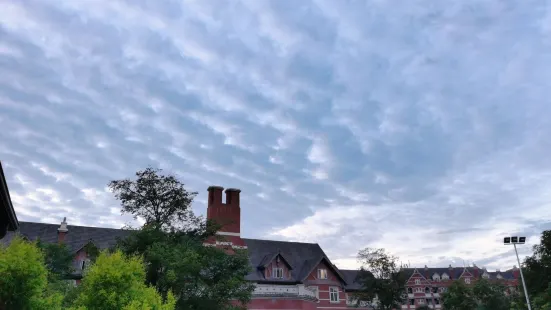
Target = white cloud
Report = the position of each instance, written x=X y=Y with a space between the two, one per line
x=352 y=125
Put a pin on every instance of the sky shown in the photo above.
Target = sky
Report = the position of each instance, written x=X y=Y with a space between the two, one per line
x=418 y=126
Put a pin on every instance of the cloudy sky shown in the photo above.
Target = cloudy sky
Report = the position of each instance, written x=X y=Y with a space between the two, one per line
x=419 y=126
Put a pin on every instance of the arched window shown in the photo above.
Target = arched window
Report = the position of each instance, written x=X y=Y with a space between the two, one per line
x=410 y=291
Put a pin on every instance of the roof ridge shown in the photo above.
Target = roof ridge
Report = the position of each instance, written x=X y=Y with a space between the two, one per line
x=68 y=225
x=286 y=241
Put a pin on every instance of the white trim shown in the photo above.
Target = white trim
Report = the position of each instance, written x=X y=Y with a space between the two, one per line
x=224 y=233
x=336 y=291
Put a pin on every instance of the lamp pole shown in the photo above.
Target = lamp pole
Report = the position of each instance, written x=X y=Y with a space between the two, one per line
x=514 y=241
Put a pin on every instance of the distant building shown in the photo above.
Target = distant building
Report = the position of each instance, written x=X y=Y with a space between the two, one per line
x=288 y=275
x=426 y=285
x=8 y=219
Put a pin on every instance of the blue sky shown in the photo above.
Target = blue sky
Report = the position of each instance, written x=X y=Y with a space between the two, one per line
x=418 y=126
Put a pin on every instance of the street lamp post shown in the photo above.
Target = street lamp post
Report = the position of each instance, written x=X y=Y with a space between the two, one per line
x=514 y=241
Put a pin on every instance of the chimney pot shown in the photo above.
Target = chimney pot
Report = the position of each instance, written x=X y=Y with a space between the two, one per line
x=232 y=196
x=62 y=231
x=215 y=195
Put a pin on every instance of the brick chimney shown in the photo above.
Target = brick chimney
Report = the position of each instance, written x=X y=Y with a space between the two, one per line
x=227 y=215
x=62 y=231
x=450 y=268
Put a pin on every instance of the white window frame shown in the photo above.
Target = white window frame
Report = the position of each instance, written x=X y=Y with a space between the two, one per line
x=499 y=276
x=334 y=292
x=421 y=301
x=486 y=276
x=417 y=281
x=322 y=271
x=467 y=280
x=445 y=277
x=275 y=271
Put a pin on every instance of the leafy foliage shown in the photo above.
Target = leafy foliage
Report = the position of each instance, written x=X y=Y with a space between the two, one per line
x=117 y=282
x=58 y=259
x=537 y=272
x=171 y=244
x=381 y=278
x=459 y=297
x=24 y=280
x=490 y=295
x=161 y=200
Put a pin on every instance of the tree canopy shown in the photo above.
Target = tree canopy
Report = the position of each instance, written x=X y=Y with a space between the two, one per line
x=381 y=278
x=24 y=278
x=118 y=282
x=171 y=244
x=161 y=200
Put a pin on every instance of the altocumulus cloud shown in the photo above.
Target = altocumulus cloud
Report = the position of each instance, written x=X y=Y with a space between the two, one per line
x=419 y=126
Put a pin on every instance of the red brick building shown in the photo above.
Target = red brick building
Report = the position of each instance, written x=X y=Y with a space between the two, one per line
x=288 y=275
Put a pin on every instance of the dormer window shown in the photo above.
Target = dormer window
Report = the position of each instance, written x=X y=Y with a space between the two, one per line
x=499 y=276
x=322 y=273
x=445 y=277
x=277 y=273
x=486 y=276
x=436 y=277
x=417 y=281
x=467 y=280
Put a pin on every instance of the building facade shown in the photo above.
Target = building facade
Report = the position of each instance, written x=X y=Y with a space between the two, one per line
x=288 y=275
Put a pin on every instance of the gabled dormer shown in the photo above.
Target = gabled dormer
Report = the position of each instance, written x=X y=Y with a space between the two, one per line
x=436 y=277
x=466 y=276
x=445 y=276
x=485 y=274
x=322 y=271
x=275 y=267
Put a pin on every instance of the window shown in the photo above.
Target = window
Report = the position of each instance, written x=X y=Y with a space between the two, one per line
x=435 y=289
x=427 y=290
x=428 y=301
x=277 y=273
x=486 y=276
x=443 y=289
x=421 y=301
x=499 y=276
x=436 y=301
x=418 y=290
x=410 y=290
x=467 y=280
x=334 y=294
x=445 y=277
x=417 y=281
x=322 y=273
x=436 y=277
x=412 y=302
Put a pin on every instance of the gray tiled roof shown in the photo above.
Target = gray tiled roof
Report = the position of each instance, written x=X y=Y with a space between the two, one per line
x=76 y=238
x=455 y=272
x=302 y=257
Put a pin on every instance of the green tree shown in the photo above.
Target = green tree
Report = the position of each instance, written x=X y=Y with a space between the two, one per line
x=116 y=282
x=542 y=301
x=24 y=278
x=161 y=200
x=459 y=297
x=490 y=295
x=171 y=243
x=537 y=268
x=58 y=259
x=382 y=279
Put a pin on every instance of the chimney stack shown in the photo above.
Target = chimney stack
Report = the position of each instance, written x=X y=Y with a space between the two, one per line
x=227 y=215
x=62 y=231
